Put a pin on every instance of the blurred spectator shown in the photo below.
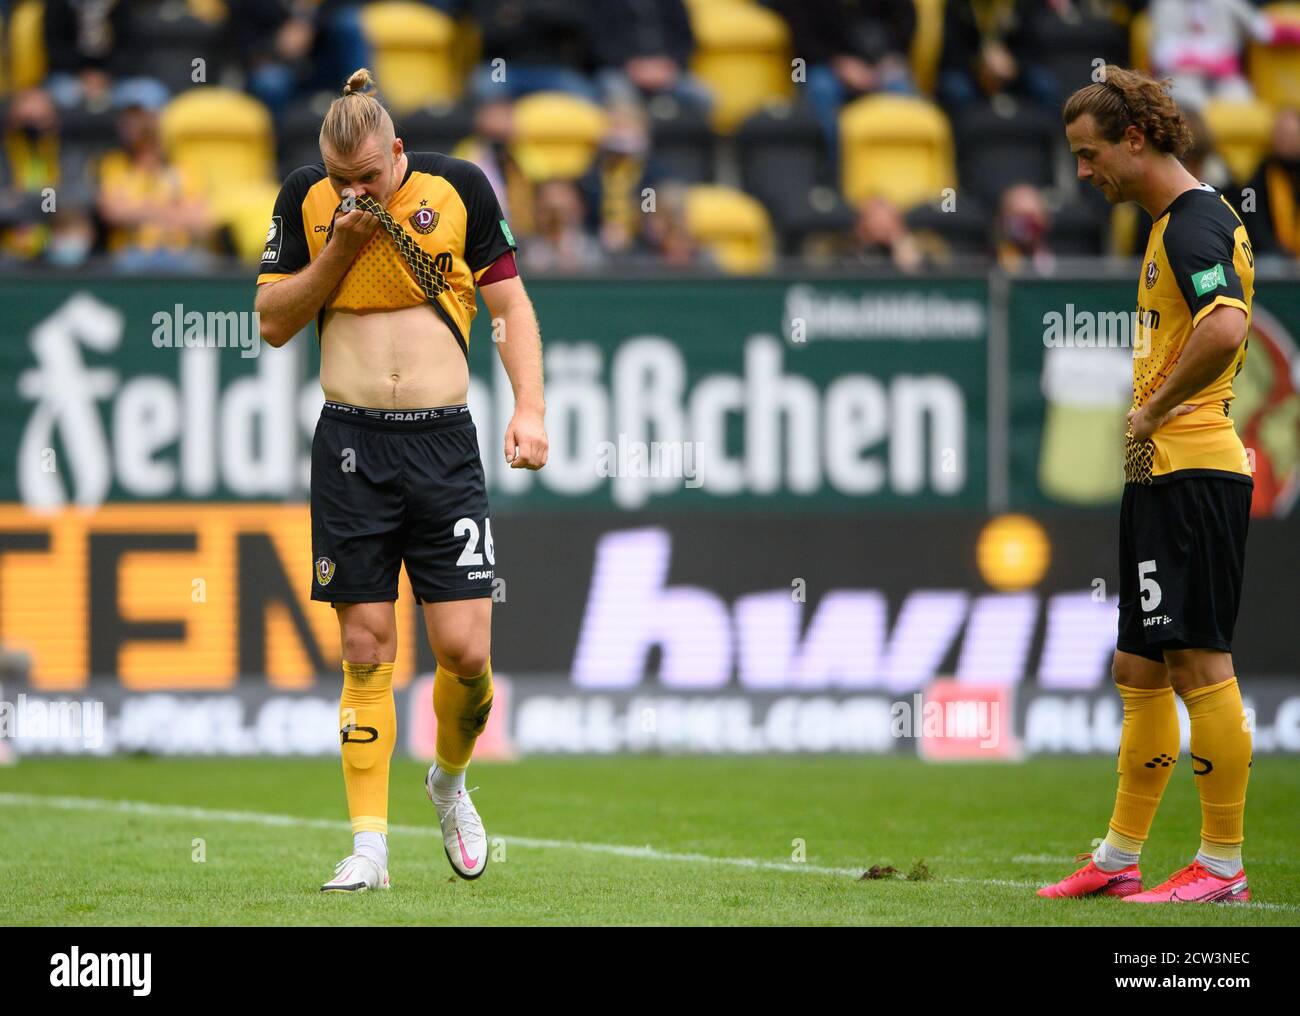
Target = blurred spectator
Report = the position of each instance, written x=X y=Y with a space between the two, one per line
x=881 y=237
x=988 y=50
x=613 y=187
x=88 y=46
x=850 y=48
x=532 y=46
x=157 y=217
x=489 y=149
x=666 y=238
x=1274 y=222
x=1199 y=44
x=295 y=47
x=72 y=232
x=560 y=243
x=1020 y=231
x=643 y=48
x=33 y=159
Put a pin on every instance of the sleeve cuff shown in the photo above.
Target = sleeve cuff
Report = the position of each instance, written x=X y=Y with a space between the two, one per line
x=1220 y=301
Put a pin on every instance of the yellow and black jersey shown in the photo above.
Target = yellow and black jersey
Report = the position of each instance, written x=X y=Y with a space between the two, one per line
x=445 y=205
x=1198 y=257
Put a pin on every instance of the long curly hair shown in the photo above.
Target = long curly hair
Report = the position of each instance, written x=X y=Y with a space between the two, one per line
x=1124 y=97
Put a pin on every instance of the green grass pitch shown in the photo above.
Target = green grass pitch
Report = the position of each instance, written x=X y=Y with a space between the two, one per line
x=722 y=835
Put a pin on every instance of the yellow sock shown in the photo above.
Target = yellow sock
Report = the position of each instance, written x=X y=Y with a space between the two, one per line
x=367 y=730
x=462 y=705
x=1221 y=749
x=1148 y=750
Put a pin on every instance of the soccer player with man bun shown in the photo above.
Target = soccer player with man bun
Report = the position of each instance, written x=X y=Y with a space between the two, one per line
x=385 y=249
x=1186 y=502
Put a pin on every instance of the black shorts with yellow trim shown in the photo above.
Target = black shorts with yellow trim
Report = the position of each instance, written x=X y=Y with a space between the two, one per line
x=393 y=487
x=1182 y=550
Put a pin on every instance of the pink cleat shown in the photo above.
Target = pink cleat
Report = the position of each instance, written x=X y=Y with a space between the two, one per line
x=1194 y=884
x=1092 y=881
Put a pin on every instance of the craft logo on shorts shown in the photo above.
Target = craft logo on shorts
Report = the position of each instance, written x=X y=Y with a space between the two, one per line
x=425 y=220
x=1152 y=273
x=273 y=234
x=324 y=570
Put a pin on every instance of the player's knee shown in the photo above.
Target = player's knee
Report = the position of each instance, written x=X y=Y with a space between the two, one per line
x=364 y=644
x=1122 y=671
x=467 y=658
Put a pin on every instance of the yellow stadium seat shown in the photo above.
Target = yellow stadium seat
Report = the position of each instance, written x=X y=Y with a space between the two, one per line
x=556 y=135
x=27 y=64
x=927 y=43
x=226 y=134
x=1241 y=132
x=732 y=226
x=246 y=212
x=1275 y=70
x=214 y=12
x=742 y=53
x=897 y=147
x=415 y=53
x=1139 y=42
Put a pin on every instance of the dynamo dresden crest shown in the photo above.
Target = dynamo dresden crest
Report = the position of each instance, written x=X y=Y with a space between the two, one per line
x=1152 y=273
x=324 y=570
x=425 y=220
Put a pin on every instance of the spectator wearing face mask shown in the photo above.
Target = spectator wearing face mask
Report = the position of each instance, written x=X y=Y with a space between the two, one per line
x=1020 y=232
x=35 y=172
x=1274 y=222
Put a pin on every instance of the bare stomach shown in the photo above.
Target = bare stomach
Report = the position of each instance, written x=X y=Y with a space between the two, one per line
x=392 y=359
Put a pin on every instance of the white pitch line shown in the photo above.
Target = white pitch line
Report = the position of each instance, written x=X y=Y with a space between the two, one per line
x=649 y=853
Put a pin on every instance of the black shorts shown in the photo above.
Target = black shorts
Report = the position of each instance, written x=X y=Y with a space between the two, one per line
x=394 y=486
x=1182 y=549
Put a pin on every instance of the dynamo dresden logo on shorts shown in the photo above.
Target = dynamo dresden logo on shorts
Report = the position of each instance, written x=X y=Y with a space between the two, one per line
x=425 y=220
x=324 y=570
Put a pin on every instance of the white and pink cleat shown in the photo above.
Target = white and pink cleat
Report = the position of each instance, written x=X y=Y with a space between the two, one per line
x=463 y=838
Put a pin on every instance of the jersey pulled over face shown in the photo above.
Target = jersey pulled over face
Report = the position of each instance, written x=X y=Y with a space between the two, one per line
x=1198 y=257
x=445 y=205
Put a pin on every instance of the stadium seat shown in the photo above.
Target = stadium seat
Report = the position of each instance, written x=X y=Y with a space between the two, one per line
x=1241 y=132
x=1079 y=227
x=783 y=163
x=732 y=226
x=245 y=214
x=414 y=47
x=682 y=141
x=168 y=45
x=556 y=135
x=896 y=146
x=1067 y=49
x=742 y=53
x=437 y=128
x=1275 y=70
x=996 y=149
x=27 y=64
x=211 y=11
x=963 y=232
x=225 y=133
x=1139 y=42
x=927 y=43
